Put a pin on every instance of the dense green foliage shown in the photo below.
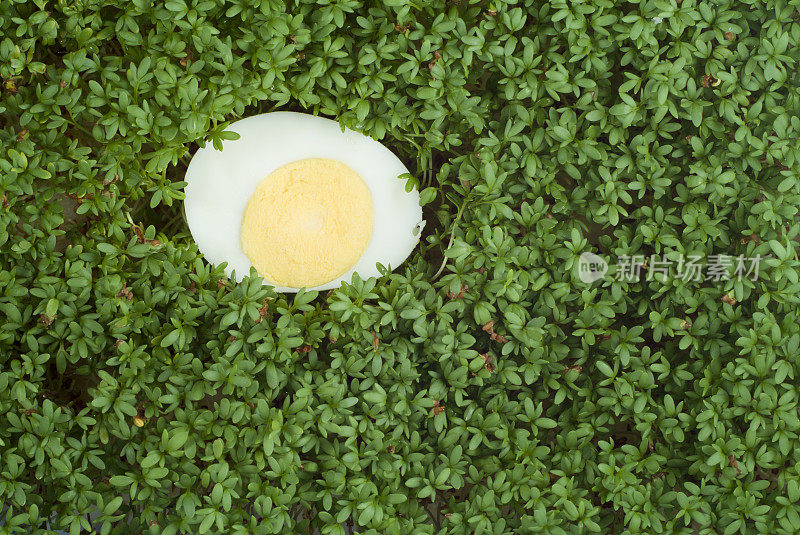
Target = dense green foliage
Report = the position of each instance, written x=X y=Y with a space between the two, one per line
x=501 y=395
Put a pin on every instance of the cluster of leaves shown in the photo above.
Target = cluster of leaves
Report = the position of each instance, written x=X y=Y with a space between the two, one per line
x=480 y=389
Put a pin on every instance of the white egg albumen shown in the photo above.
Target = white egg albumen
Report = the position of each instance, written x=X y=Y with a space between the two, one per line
x=220 y=183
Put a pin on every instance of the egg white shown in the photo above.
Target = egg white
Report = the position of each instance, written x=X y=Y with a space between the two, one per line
x=220 y=183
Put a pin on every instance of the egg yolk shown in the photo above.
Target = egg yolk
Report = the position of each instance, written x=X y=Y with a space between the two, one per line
x=307 y=223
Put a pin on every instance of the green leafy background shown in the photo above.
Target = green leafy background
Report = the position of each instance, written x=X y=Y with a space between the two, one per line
x=142 y=392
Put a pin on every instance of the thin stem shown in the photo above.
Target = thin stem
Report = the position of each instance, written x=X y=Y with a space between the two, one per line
x=80 y=127
x=453 y=231
x=171 y=224
x=452 y=238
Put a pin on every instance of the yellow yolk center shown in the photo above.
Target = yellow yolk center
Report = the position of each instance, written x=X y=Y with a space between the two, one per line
x=307 y=223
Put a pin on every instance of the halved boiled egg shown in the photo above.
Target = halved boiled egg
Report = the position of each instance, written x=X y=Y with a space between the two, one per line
x=302 y=201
